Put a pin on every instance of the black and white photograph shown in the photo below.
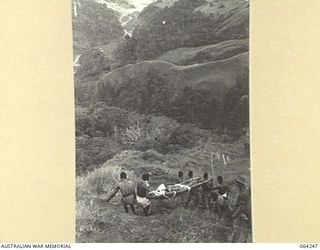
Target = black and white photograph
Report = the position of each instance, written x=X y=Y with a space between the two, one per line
x=162 y=121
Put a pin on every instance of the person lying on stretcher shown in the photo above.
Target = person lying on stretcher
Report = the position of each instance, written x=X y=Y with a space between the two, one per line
x=168 y=192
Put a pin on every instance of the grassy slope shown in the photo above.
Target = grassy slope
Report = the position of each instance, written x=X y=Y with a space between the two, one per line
x=223 y=50
x=222 y=7
x=162 y=26
x=99 y=221
x=213 y=76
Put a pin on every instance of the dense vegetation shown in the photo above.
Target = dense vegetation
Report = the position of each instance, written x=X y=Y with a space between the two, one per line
x=181 y=25
x=153 y=95
x=94 y=25
x=103 y=129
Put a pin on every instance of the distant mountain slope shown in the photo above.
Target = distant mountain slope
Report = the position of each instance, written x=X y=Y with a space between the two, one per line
x=99 y=28
x=213 y=76
x=186 y=93
x=196 y=69
x=223 y=50
x=93 y=25
x=127 y=11
x=167 y=25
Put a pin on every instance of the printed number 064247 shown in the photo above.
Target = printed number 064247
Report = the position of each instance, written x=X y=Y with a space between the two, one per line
x=308 y=245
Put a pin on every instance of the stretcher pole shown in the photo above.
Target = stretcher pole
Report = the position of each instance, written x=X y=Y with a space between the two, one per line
x=212 y=164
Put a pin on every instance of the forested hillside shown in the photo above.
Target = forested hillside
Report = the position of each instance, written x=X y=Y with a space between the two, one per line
x=93 y=25
x=199 y=94
x=195 y=74
x=189 y=23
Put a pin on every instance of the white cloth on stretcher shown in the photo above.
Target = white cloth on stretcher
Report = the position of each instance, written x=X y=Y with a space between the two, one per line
x=143 y=201
x=162 y=190
x=181 y=186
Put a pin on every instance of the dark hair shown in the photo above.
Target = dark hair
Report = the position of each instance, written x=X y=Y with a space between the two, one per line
x=123 y=175
x=220 y=178
x=180 y=174
x=145 y=177
x=190 y=174
x=205 y=175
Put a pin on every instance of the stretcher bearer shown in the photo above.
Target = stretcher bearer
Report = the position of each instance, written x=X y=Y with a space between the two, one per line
x=206 y=191
x=127 y=190
x=180 y=177
x=193 y=194
x=243 y=208
x=143 y=189
x=223 y=191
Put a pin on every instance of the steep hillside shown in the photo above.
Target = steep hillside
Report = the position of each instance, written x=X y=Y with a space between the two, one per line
x=85 y=93
x=208 y=53
x=103 y=131
x=192 y=93
x=215 y=77
x=100 y=28
x=162 y=26
x=167 y=25
x=127 y=11
x=87 y=31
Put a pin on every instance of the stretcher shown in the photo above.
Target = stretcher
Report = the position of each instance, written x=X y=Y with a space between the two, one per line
x=171 y=191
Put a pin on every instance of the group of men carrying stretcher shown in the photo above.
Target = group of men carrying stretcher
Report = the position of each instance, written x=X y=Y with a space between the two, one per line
x=212 y=197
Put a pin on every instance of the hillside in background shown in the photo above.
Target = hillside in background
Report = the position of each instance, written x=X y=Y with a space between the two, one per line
x=100 y=28
x=93 y=25
x=183 y=32
x=203 y=81
x=195 y=93
x=207 y=53
x=168 y=25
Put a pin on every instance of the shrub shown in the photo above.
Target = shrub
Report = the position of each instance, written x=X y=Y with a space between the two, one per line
x=92 y=152
x=132 y=134
x=101 y=180
x=187 y=135
x=84 y=218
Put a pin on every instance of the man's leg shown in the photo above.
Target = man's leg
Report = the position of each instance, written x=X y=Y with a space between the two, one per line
x=196 y=198
x=125 y=207
x=189 y=199
x=206 y=201
x=220 y=202
x=146 y=210
x=132 y=208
